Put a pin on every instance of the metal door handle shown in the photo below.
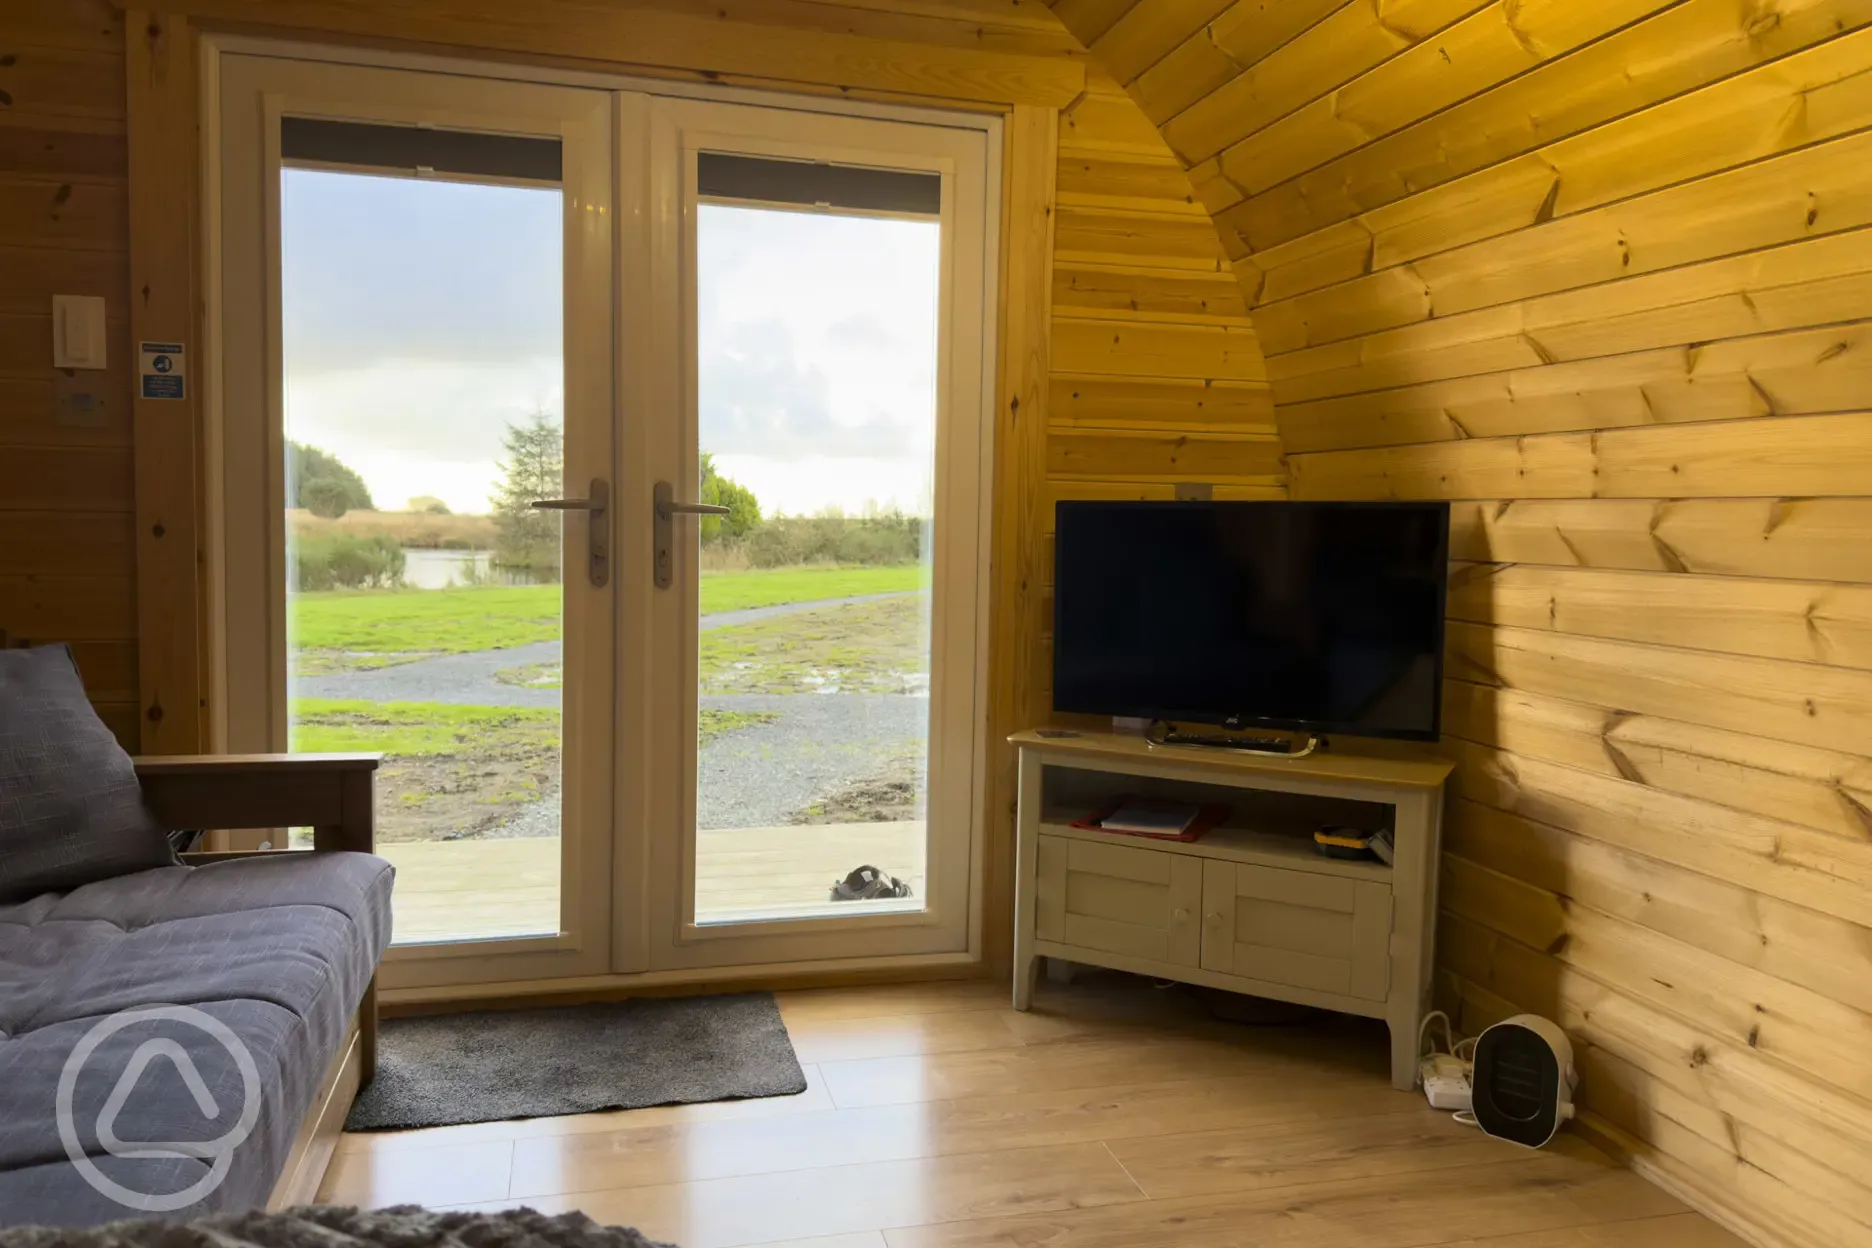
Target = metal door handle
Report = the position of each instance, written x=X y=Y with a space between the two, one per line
x=667 y=509
x=595 y=507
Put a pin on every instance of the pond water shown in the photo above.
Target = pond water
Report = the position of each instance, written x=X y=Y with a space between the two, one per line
x=446 y=569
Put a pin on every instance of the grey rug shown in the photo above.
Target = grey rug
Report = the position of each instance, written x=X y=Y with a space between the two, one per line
x=446 y=1069
x=336 y=1226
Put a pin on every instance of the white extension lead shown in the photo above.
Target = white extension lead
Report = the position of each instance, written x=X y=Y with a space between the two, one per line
x=1447 y=1076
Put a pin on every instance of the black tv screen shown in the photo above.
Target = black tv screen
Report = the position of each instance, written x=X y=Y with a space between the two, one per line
x=1315 y=617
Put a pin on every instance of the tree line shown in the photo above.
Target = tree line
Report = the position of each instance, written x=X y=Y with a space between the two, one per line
x=532 y=469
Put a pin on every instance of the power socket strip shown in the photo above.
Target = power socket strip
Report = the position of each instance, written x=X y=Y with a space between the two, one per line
x=1448 y=1082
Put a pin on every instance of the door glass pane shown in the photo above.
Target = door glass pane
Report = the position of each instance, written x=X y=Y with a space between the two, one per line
x=817 y=338
x=424 y=382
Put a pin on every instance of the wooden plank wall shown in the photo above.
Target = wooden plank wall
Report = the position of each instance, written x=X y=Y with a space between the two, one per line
x=1158 y=378
x=67 y=557
x=1600 y=272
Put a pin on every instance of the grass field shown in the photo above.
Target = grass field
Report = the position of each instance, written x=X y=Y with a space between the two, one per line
x=861 y=647
x=375 y=628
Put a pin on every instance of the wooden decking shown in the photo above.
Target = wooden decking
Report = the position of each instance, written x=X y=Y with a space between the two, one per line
x=479 y=889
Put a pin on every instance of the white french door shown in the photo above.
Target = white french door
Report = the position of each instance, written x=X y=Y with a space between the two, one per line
x=415 y=286
x=827 y=275
x=483 y=354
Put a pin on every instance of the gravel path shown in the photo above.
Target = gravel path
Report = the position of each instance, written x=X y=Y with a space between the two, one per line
x=761 y=776
x=751 y=777
x=469 y=679
x=764 y=775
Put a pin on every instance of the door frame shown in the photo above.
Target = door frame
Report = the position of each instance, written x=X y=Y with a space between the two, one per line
x=248 y=563
x=630 y=933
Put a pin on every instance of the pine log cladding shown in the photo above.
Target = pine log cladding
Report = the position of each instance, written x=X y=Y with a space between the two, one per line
x=1773 y=857
x=1093 y=401
x=67 y=549
x=1152 y=456
x=1121 y=284
x=1214 y=54
x=1812 y=622
x=1127 y=347
x=1782 y=456
x=1820 y=94
x=1818 y=788
x=1688 y=45
x=821 y=45
x=1795 y=373
x=1805 y=538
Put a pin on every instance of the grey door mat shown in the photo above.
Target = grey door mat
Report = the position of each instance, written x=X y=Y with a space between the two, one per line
x=448 y=1069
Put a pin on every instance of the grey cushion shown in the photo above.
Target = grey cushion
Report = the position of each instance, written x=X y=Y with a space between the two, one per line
x=277 y=949
x=70 y=808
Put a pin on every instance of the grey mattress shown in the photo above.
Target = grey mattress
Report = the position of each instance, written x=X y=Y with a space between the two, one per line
x=278 y=950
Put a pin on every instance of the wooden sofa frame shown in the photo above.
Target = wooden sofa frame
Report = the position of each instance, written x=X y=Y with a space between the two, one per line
x=333 y=794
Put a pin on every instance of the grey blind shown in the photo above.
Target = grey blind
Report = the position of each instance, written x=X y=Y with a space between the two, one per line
x=407 y=148
x=761 y=179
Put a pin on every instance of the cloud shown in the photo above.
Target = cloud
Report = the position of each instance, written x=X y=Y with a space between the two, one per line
x=376 y=268
x=760 y=396
x=818 y=342
x=420 y=426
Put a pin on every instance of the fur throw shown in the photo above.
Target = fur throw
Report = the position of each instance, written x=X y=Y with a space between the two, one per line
x=337 y=1226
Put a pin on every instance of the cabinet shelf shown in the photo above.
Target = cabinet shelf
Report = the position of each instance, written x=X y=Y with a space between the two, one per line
x=1289 y=848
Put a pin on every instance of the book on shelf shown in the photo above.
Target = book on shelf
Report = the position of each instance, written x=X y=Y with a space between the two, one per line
x=1153 y=818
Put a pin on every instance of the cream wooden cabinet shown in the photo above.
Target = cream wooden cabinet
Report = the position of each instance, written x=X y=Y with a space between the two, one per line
x=1251 y=907
x=1121 y=900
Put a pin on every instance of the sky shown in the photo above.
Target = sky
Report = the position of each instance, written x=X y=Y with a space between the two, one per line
x=422 y=316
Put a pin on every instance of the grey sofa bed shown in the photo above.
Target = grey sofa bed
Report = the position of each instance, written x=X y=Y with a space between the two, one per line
x=170 y=1031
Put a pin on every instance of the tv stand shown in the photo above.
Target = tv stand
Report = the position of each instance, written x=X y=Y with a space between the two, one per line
x=1162 y=733
x=1252 y=906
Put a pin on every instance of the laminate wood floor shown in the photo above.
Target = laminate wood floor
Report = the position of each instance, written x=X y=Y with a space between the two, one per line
x=1114 y=1115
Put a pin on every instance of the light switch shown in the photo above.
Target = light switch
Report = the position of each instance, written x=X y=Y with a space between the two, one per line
x=77 y=331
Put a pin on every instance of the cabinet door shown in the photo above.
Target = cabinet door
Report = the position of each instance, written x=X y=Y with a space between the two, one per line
x=1289 y=927
x=1141 y=903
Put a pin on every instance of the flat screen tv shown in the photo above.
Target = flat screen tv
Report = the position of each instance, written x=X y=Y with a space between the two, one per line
x=1309 y=617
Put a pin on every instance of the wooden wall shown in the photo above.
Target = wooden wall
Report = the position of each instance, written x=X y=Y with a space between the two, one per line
x=1600 y=272
x=67 y=559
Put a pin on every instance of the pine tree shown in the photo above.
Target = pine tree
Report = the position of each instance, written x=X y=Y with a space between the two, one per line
x=534 y=469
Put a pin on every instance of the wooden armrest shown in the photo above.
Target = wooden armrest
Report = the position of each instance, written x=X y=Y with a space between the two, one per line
x=250 y=764
x=330 y=793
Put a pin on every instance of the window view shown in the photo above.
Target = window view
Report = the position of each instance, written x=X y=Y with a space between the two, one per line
x=817 y=373
x=424 y=385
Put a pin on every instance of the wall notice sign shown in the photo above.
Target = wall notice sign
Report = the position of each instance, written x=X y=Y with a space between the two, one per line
x=160 y=370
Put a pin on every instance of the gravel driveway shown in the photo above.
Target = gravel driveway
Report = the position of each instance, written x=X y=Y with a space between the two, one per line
x=761 y=776
x=469 y=679
x=752 y=777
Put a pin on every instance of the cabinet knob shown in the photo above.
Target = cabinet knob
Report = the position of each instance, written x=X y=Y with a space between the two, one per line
x=1180 y=915
x=1215 y=916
